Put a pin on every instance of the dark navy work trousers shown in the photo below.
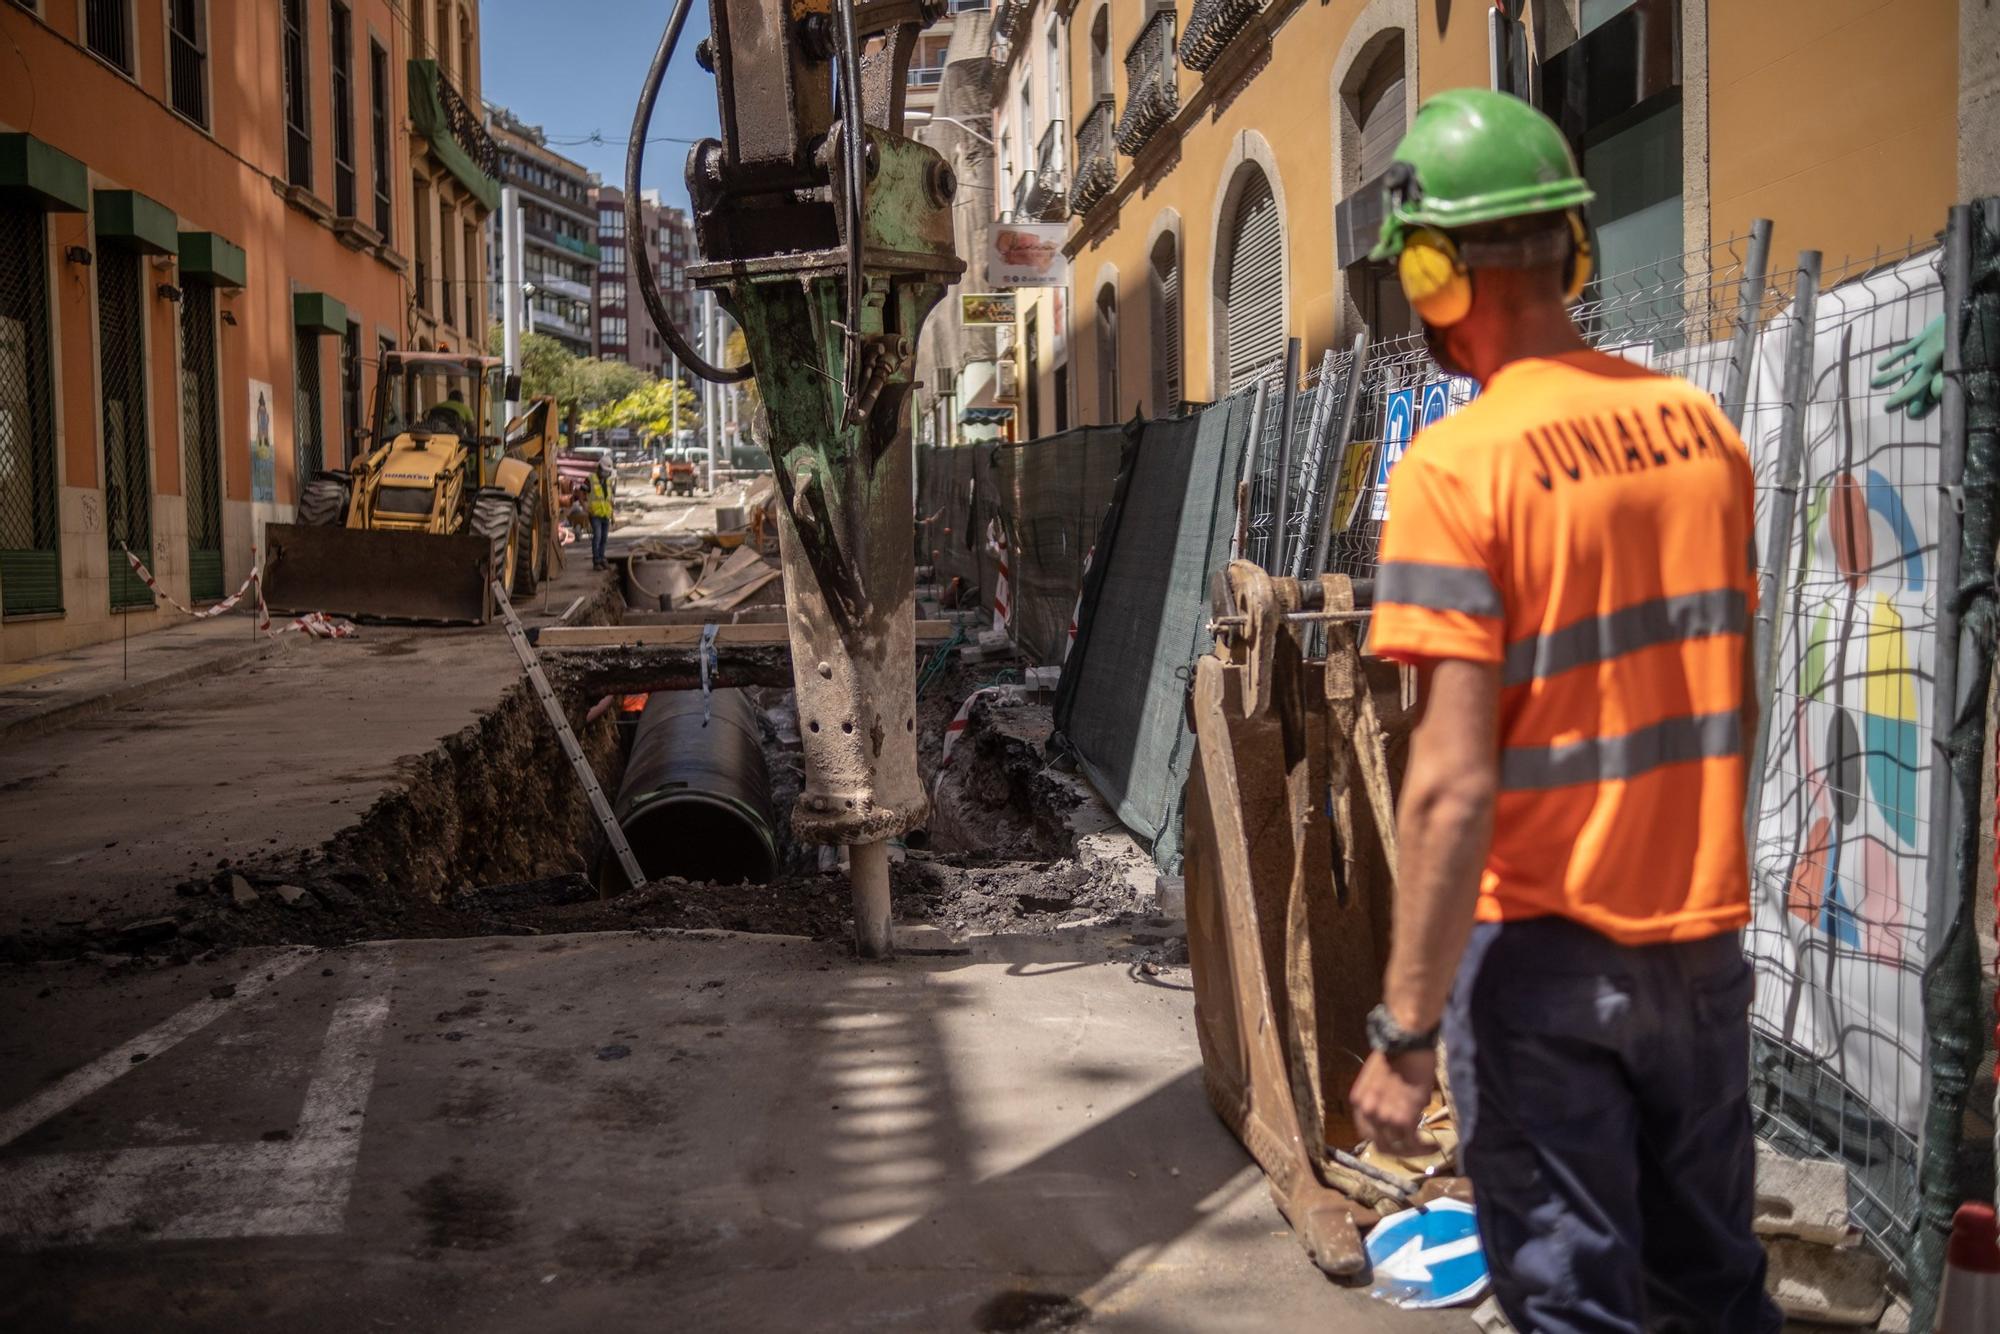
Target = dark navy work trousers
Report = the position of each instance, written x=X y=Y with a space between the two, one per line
x=1602 y=1092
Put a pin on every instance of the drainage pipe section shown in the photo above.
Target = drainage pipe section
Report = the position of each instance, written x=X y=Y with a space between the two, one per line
x=695 y=801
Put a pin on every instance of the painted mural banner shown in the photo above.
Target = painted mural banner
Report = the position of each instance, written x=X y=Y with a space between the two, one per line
x=1839 y=927
x=263 y=457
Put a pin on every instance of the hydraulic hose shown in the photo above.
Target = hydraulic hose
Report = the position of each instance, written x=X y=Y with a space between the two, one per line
x=854 y=140
x=635 y=236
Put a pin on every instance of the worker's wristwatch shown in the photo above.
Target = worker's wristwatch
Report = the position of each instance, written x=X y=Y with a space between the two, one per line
x=1392 y=1039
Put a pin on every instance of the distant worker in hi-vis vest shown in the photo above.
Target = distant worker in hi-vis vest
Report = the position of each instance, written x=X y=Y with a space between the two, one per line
x=598 y=507
x=1569 y=564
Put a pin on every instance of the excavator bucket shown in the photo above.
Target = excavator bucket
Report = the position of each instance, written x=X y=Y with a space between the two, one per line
x=421 y=578
x=1290 y=869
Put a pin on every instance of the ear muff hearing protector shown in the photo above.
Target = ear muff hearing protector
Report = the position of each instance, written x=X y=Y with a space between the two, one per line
x=1438 y=281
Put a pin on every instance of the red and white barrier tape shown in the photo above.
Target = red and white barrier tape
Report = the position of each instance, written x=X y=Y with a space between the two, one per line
x=996 y=543
x=317 y=624
x=955 y=729
x=1076 y=612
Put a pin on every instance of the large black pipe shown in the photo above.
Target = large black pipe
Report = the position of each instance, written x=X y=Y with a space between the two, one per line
x=696 y=799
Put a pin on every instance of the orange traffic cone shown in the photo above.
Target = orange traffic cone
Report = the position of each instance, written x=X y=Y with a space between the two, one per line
x=1969 y=1300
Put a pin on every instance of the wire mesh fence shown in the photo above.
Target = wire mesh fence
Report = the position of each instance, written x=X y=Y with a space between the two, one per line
x=1847 y=495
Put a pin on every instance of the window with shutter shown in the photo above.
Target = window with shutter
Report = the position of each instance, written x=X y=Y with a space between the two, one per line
x=1107 y=355
x=1253 y=293
x=1166 y=325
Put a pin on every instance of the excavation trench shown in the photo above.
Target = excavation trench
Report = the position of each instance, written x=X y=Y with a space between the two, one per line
x=489 y=833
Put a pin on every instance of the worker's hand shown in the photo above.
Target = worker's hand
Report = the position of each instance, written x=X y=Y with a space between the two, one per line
x=1389 y=1097
x=1919 y=364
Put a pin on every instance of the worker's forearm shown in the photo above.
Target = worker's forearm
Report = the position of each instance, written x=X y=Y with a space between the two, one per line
x=1443 y=835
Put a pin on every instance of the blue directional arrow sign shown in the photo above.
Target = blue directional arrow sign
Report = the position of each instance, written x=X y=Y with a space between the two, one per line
x=1399 y=423
x=1428 y=1258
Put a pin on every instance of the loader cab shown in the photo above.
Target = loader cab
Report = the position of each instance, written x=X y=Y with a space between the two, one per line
x=444 y=401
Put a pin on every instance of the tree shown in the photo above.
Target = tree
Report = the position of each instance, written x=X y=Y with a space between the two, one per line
x=648 y=408
x=578 y=384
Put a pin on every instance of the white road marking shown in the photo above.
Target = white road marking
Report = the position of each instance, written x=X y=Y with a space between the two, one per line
x=74 y=1087
x=191 y=1191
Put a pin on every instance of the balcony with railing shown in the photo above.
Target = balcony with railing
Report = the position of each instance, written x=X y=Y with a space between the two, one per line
x=1048 y=183
x=1008 y=16
x=1152 y=87
x=442 y=116
x=1096 y=168
x=1212 y=26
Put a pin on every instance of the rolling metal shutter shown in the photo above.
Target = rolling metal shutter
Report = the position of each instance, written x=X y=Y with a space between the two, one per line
x=1254 y=294
x=1383 y=117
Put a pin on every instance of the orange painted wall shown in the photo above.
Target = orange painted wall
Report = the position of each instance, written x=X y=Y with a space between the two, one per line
x=124 y=132
x=1837 y=119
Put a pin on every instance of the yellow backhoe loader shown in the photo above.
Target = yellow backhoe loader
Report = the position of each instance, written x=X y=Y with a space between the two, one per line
x=439 y=500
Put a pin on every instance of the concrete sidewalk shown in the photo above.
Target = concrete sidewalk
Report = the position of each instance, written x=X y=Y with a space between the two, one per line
x=43 y=694
x=619 y=1132
x=113 y=788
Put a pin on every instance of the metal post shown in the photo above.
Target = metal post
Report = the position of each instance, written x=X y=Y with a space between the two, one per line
x=1743 y=339
x=1317 y=427
x=1340 y=447
x=1945 y=703
x=1250 y=448
x=714 y=394
x=868 y=876
x=510 y=292
x=1274 y=558
x=1772 y=579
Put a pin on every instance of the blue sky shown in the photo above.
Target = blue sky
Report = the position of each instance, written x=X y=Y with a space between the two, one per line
x=575 y=69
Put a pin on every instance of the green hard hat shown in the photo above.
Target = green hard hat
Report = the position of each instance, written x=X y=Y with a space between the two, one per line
x=1475 y=156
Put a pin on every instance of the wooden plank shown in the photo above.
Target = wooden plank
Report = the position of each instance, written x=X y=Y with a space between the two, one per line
x=735 y=597
x=688 y=636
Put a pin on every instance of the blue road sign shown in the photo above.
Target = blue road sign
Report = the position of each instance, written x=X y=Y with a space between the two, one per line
x=1437 y=401
x=1428 y=1258
x=1399 y=423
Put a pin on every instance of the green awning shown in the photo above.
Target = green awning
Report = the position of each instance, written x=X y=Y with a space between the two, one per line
x=428 y=115
x=136 y=222
x=318 y=313
x=211 y=259
x=48 y=176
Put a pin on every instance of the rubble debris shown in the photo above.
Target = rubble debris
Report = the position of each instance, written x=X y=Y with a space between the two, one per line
x=240 y=892
x=294 y=897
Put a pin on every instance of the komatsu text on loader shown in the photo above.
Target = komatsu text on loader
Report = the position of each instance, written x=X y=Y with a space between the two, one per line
x=439 y=500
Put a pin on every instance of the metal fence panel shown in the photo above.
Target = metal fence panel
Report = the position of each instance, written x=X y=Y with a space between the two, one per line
x=30 y=562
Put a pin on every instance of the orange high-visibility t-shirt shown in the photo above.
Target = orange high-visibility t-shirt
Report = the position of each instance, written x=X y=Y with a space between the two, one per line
x=1586 y=525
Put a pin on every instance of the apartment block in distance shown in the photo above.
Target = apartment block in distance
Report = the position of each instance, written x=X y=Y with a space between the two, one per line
x=212 y=217
x=559 y=252
x=625 y=332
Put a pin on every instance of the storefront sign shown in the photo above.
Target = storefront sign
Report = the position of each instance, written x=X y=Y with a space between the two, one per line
x=1027 y=254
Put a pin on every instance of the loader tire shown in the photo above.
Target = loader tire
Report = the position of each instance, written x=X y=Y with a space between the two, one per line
x=494 y=517
x=323 y=504
x=527 y=537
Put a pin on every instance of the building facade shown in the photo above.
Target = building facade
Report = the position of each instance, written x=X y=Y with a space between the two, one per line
x=1224 y=159
x=213 y=215
x=558 y=225
x=624 y=330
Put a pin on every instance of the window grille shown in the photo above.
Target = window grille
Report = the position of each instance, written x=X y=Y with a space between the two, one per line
x=201 y=437
x=309 y=445
x=128 y=474
x=107 y=30
x=378 y=77
x=187 y=60
x=341 y=25
x=298 y=112
x=30 y=563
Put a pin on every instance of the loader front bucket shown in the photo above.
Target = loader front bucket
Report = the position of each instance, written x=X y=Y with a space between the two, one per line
x=378 y=576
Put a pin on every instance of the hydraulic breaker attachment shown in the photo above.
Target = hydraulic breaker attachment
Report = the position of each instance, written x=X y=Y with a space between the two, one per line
x=829 y=239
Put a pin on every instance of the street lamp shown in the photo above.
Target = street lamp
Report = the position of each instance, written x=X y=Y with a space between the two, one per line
x=528 y=291
x=928 y=116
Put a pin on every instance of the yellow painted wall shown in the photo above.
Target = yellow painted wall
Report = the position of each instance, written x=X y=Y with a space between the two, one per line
x=1837 y=119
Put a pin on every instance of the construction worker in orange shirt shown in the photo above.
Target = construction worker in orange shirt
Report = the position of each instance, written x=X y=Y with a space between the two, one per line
x=1569 y=564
